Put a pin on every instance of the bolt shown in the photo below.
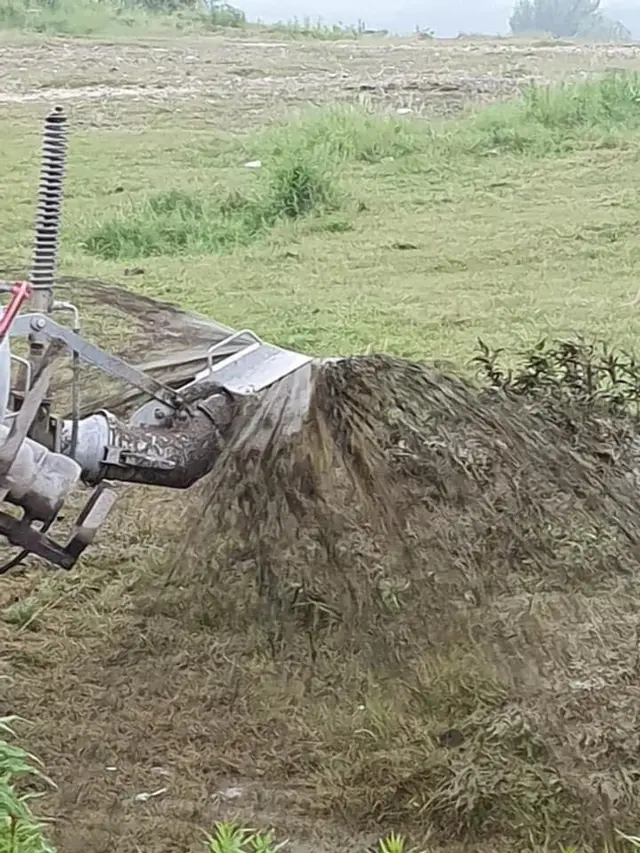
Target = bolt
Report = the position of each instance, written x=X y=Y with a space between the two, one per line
x=38 y=323
x=159 y=414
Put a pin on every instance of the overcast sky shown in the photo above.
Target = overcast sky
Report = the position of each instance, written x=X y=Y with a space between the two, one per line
x=446 y=17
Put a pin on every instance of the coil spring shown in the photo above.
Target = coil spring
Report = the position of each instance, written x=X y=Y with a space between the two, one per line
x=54 y=151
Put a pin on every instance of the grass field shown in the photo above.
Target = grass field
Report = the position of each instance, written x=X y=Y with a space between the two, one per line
x=404 y=203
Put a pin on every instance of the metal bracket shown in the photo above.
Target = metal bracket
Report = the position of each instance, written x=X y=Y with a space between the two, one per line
x=25 y=364
x=25 y=324
x=216 y=348
x=19 y=532
x=90 y=519
x=25 y=416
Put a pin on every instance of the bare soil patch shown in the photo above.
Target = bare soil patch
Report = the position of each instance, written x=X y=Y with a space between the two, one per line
x=245 y=81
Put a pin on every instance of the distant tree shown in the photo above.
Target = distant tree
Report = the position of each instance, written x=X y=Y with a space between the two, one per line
x=603 y=28
x=565 y=19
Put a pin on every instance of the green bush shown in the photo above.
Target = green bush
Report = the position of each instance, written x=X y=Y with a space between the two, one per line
x=219 y=15
x=316 y=29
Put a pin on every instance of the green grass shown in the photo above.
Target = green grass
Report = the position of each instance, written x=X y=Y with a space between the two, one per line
x=559 y=120
x=343 y=135
x=304 y=158
x=21 y=832
x=112 y=18
x=179 y=222
x=507 y=223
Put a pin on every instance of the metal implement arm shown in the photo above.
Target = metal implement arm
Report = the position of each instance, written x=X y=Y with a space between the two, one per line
x=39 y=480
x=91 y=354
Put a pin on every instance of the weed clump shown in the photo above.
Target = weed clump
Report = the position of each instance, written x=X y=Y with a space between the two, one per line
x=181 y=222
x=297 y=189
x=552 y=120
x=543 y=120
x=343 y=134
x=174 y=223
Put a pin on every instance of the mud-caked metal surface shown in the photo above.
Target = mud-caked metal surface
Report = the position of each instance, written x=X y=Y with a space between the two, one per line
x=173 y=454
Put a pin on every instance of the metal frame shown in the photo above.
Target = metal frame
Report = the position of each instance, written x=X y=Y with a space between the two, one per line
x=33 y=541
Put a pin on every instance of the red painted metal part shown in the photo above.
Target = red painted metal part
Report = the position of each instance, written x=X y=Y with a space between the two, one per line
x=20 y=292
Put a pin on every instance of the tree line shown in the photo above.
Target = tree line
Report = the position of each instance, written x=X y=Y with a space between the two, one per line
x=566 y=19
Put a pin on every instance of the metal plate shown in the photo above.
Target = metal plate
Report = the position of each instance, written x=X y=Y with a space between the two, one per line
x=243 y=374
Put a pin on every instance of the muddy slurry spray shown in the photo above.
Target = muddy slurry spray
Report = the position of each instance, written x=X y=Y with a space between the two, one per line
x=389 y=493
x=466 y=555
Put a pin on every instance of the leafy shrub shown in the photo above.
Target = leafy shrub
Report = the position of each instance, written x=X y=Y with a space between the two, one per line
x=20 y=832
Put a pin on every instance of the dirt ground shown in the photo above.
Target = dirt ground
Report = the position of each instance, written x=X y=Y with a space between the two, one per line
x=140 y=708
x=245 y=81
